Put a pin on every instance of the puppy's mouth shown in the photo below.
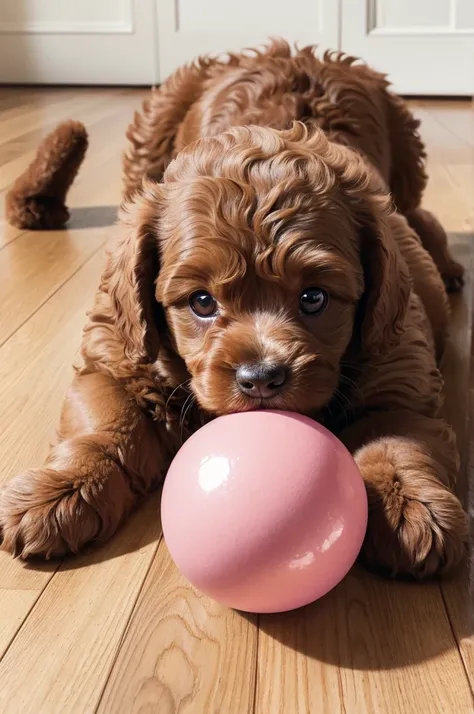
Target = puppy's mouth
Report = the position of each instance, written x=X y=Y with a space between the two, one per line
x=250 y=404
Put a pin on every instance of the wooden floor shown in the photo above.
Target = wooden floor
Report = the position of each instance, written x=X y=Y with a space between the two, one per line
x=118 y=630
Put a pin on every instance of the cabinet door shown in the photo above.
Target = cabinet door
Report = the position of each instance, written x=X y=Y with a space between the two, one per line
x=188 y=28
x=78 y=41
x=425 y=46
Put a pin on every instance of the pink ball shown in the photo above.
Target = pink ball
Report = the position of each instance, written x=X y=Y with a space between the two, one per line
x=264 y=511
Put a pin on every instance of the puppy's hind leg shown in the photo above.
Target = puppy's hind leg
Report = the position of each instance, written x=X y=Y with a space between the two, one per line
x=435 y=241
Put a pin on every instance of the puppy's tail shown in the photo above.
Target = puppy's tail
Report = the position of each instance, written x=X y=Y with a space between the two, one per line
x=36 y=200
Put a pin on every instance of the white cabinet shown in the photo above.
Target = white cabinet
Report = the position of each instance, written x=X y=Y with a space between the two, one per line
x=187 y=28
x=425 y=46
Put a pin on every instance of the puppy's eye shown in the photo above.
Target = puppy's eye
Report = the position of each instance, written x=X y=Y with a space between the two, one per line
x=203 y=304
x=313 y=301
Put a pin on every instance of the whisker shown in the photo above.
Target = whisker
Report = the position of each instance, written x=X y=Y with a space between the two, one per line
x=188 y=404
x=342 y=407
x=338 y=396
x=347 y=380
x=188 y=399
x=180 y=386
x=330 y=411
x=350 y=382
x=344 y=396
x=358 y=367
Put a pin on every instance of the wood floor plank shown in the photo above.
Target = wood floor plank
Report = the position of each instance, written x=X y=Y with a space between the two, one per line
x=443 y=144
x=19 y=97
x=35 y=370
x=457 y=118
x=94 y=117
x=16 y=604
x=87 y=111
x=73 y=632
x=19 y=591
x=450 y=168
x=36 y=367
x=33 y=267
x=45 y=116
x=458 y=596
x=15 y=109
x=447 y=195
x=182 y=652
x=369 y=646
x=7 y=233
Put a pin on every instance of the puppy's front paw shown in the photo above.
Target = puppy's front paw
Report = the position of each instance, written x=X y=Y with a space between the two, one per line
x=417 y=526
x=41 y=516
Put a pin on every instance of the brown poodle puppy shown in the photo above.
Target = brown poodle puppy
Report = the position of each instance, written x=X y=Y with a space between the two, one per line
x=268 y=269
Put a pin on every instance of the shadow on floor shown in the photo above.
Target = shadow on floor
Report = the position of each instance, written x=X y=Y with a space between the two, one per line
x=368 y=623
x=92 y=217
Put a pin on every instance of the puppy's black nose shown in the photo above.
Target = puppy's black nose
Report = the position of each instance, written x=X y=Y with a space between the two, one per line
x=261 y=380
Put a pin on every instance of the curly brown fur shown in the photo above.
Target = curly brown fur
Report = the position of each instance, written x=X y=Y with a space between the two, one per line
x=254 y=216
x=434 y=239
x=37 y=198
x=152 y=133
x=273 y=88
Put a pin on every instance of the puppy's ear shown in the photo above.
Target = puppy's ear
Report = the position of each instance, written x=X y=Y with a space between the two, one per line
x=131 y=275
x=387 y=282
x=387 y=279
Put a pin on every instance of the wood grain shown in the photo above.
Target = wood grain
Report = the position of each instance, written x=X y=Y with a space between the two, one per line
x=460 y=123
x=32 y=382
x=72 y=634
x=182 y=652
x=451 y=186
x=44 y=117
x=20 y=589
x=7 y=233
x=458 y=598
x=89 y=111
x=32 y=270
x=369 y=646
